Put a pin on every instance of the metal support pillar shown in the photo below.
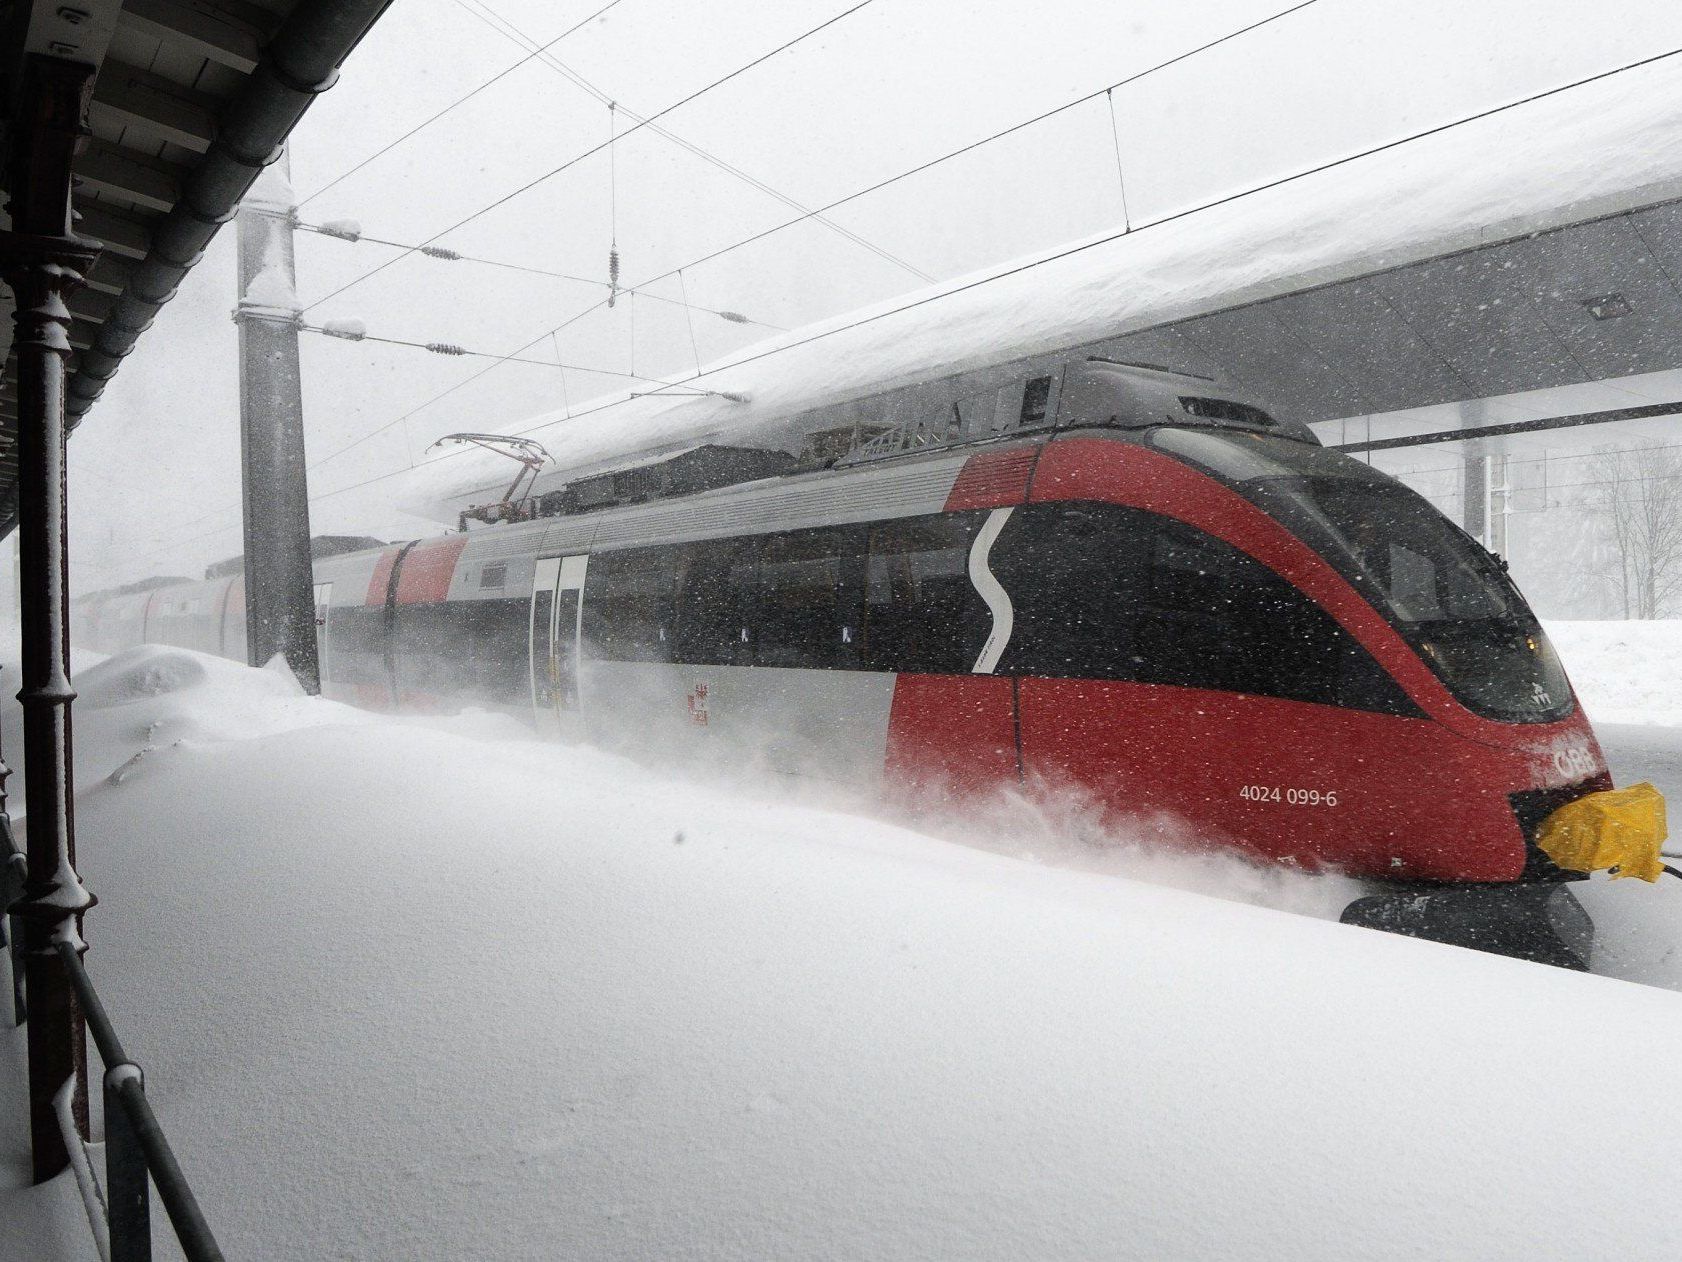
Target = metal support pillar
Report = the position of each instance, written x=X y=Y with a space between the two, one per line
x=279 y=577
x=1474 y=476
x=1474 y=510
x=43 y=262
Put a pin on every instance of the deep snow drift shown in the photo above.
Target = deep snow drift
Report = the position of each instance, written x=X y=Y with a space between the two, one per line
x=432 y=989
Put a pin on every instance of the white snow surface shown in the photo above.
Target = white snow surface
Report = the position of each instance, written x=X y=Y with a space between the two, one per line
x=1625 y=672
x=434 y=989
x=1604 y=146
x=270 y=288
x=346 y=327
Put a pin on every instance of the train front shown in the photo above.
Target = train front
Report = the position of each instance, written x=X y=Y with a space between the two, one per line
x=1506 y=794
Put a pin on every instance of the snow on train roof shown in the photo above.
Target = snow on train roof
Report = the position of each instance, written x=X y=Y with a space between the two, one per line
x=1608 y=146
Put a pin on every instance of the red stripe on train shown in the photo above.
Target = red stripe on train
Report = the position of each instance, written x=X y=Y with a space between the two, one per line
x=994 y=479
x=380 y=583
x=427 y=570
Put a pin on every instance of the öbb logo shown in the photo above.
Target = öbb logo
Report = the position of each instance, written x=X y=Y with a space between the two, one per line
x=1574 y=762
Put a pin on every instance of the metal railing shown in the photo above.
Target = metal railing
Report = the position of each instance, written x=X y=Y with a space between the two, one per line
x=135 y=1148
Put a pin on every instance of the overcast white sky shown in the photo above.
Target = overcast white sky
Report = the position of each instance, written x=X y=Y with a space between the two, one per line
x=155 y=468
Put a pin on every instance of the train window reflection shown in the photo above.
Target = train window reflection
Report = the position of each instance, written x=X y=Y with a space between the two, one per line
x=1445 y=594
x=713 y=596
x=631 y=610
x=1435 y=584
x=808 y=611
x=1105 y=592
x=921 y=612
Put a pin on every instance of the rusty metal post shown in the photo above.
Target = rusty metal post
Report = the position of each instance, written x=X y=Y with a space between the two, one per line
x=43 y=261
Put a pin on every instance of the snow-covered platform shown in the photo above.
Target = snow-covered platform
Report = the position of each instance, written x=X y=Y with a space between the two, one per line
x=417 y=989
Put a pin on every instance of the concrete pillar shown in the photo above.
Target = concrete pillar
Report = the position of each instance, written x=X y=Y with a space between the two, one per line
x=279 y=579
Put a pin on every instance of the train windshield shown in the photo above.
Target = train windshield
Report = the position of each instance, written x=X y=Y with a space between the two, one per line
x=1448 y=597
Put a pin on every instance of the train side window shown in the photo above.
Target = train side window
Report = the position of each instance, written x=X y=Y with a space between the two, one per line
x=1212 y=617
x=1073 y=573
x=809 y=599
x=921 y=612
x=630 y=605
x=714 y=600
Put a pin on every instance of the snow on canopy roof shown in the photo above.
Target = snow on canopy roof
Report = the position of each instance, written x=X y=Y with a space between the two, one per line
x=1606 y=147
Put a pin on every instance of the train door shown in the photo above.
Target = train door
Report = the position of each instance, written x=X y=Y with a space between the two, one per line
x=323 y=596
x=556 y=606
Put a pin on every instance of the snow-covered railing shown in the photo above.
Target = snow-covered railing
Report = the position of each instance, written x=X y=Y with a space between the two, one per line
x=135 y=1146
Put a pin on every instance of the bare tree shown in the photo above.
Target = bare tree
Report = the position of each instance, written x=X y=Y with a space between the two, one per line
x=1637 y=495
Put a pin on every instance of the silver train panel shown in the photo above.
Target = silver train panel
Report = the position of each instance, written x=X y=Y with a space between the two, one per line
x=828 y=725
x=350 y=575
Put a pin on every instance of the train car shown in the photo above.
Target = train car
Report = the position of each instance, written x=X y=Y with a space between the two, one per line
x=1107 y=579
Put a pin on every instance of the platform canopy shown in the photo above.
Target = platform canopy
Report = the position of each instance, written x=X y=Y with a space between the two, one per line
x=1529 y=261
x=189 y=100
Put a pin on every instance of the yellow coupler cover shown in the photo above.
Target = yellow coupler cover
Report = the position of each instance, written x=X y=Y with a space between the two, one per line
x=1621 y=829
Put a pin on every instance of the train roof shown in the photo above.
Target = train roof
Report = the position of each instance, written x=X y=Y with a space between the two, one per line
x=1091 y=391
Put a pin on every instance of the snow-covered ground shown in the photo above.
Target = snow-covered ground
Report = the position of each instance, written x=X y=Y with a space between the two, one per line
x=434 y=989
x=1625 y=672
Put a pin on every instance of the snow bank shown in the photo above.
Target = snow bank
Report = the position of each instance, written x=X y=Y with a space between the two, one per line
x=405 y=991
x=1601 y=147
x=1624 y=672
x=35 y=1222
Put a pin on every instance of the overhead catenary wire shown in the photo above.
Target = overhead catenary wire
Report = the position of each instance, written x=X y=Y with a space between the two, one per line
x=453 y=256
x=472 y=377
x=918 y=302
x=458 y=102
x=612 y=203
x=574 y=161
x=451 y=349
x=507 y=29
x=422 y=406
x=401 y=419
x=1100 y=241
x=906 y=174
